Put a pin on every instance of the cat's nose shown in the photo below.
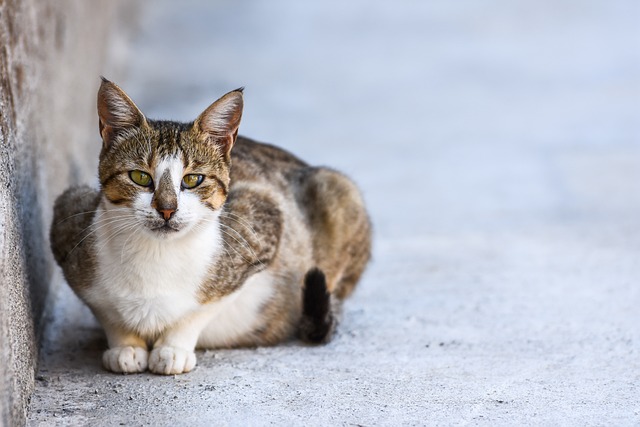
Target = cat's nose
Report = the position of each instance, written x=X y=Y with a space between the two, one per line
x=166 y=213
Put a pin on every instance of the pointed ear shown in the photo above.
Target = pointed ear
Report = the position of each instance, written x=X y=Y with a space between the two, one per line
x=219 y=123
x=116 y=111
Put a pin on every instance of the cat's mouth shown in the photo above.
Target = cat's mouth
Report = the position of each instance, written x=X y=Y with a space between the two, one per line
x=166 y=229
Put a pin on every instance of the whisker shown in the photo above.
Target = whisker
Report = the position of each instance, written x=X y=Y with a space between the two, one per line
x=248 y=245
x=244 y=245
x=120 y=229
x=236 y=251
x=81 y=240
x=242 y=221
x=124 y=245
x=101 y=222
x=93 y=231
x=90 y=212
x=241 y=241
x=200 y=226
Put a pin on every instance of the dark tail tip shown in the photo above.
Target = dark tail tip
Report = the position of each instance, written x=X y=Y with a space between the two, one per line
x=317 y=320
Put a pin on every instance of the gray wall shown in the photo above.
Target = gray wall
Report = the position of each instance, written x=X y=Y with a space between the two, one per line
x=51 y=54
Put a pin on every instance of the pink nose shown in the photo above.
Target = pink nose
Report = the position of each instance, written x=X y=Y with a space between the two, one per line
x=166 y=213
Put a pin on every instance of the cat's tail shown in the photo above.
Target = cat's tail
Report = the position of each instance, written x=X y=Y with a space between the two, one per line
x=319 y=317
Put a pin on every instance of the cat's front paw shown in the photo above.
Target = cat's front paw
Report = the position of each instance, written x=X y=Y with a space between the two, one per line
x=171 y=360
x=127 y=360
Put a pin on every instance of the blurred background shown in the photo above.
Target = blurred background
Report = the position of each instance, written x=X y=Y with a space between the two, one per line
x=461 y=115
x=497 y=144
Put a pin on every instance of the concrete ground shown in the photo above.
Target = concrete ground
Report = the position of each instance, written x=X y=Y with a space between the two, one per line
x=498 y=147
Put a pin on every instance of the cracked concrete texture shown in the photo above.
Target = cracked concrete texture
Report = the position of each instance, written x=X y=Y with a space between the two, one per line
x=498 y=146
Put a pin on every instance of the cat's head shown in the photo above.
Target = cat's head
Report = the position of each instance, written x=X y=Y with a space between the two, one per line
x=165 y=176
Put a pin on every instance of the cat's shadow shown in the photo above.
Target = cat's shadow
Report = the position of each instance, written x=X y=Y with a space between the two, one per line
x=73 y=339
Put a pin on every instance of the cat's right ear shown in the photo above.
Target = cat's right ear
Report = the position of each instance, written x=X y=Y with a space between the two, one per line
x=116 y=111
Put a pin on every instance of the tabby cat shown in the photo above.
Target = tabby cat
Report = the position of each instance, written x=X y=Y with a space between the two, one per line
x=198 y=238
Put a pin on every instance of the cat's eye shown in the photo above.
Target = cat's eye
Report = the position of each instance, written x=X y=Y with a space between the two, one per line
x=192 y=180
x=141 y=178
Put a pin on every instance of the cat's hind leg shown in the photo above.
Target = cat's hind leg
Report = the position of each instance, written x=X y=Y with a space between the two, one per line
x=340 y=227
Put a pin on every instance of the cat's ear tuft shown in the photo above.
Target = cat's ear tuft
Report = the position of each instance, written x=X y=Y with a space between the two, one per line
x=220 y=121
x=116 y=112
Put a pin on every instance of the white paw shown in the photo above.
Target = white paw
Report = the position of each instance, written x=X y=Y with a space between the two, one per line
x=171 y=360
x=125 y=359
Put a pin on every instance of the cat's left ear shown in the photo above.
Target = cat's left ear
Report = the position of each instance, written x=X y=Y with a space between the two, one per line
x=220 y=121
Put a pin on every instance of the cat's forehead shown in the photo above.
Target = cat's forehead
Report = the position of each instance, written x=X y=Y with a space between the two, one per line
x=159 y=141
x=171 y=141
x=170 y=138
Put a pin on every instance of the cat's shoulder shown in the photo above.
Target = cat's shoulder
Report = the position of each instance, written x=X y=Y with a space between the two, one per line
x=73 y=214
x=78 y=197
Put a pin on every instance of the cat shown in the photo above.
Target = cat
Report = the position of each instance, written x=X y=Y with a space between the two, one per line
x=200 y=238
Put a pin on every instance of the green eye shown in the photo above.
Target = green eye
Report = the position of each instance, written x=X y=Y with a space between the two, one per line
x=192 y=180
x=141 y=178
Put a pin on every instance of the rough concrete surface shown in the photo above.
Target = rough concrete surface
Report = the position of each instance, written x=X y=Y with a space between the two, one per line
x=46 y=51
x=498 y=146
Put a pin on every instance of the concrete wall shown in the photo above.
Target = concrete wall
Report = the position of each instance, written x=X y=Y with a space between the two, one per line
x=51 y=54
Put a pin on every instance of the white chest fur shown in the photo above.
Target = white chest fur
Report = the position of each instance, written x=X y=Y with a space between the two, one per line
x=147 y=284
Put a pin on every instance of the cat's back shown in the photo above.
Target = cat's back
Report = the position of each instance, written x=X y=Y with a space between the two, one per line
x=256 y=161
